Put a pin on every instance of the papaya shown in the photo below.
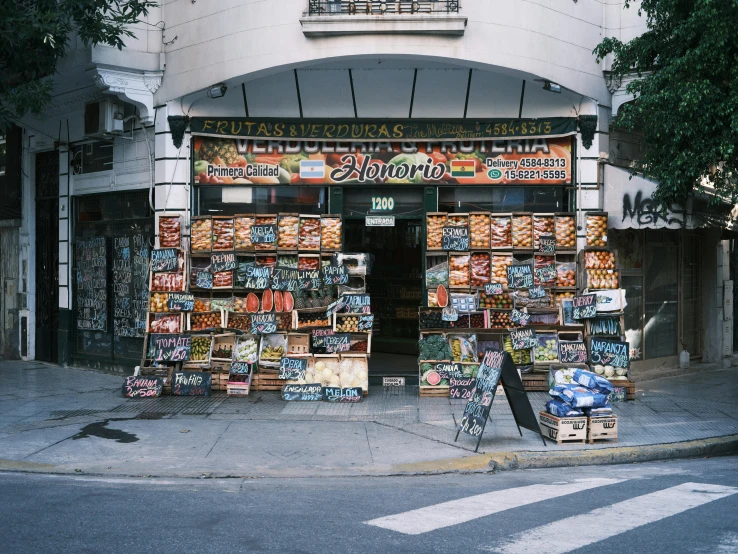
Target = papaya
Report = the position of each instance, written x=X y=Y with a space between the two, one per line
x=442 y=296
x=278 y=301
x=289 y=301
x=267 y=300
x=252 y=303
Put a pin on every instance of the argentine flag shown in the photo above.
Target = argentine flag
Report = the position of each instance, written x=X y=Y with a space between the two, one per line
x=312 y=169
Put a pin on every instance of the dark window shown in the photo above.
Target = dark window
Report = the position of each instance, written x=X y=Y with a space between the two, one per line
x=92 y=157
x=10 y=173
x=502 y=199
x=231 y=200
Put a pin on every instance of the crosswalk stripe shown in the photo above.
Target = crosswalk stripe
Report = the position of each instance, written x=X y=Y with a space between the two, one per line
x=575 y=532
x=430 y=518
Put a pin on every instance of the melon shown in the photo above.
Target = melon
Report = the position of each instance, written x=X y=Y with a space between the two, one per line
x=289 y=301
x=267 y=301
x=433 y=378
x=442 y=296
x=252 y=303
x=278 y=301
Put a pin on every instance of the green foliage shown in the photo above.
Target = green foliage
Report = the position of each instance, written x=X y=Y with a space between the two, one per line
x=35 y=34
x=687 y=94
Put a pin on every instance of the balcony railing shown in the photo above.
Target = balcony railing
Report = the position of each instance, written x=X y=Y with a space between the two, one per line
x=385 y=7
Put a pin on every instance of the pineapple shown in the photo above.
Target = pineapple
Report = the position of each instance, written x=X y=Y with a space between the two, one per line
x=225 y=149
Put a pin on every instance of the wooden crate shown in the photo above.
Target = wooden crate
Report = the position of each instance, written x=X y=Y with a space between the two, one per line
x=238 y=389
x=602 y=428
x=173 y=218
x=242 y=224
x=438 y=392
x=205 y=220
x=442 y=216
x=563 y=429
x=535 y=382
x=298 y=344
x=628 y=385
x=163 y=373
x=323 y=225
x=267 y=219
x=266 y=382
x=178 y=317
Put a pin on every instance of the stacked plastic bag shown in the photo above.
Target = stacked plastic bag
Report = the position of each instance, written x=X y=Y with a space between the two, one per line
x=578 y=392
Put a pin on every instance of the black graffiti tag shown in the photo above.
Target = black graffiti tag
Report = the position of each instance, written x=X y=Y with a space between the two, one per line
x=648 y=212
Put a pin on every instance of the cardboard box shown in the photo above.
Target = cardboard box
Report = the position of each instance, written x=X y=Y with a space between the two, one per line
x=563 y=429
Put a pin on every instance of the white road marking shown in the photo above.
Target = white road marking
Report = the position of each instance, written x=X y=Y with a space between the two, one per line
x=446 y=514
x=575 y=532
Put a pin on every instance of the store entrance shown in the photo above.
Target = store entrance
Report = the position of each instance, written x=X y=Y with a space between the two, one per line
x=395 y=286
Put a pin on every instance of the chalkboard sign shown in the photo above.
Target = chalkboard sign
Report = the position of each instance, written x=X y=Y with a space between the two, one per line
x=164 y=260
x=536 y=292
x=477 y=408
x=142 y=387
x=319 y=337
x=204 y=280
x=292 y=369
x=357 y=303
x=338 y=342
x=263 y=324
x=309 y=279
x=519 y=276
x=241 y=368
x=449 y=369
x=191 y=383
x=257 y=276
x=460 y=388
x=180 y=301
x=523 y=339
x=584 y=307
x=456 y=239
x=169 y=348
x=572 y=352
x=547 y=244
x=449 y=314
x=609 y=352
x=130 y=285
x=337 y=394
x=493 y=288
x=284 y=278
x=335 y=307
x=335 y=275
x=311 y=392
x=222 y=262
x=261 y=234
x=546 y=273
x=366 y=322
x=91 y=257
x=520 y=318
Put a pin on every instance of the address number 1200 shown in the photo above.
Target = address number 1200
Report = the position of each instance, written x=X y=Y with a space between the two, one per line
x=383 y=203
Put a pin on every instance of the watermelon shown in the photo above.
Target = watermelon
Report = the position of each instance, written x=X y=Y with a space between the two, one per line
x=252 y=303
x=289 y=301
x=267 y=301
x=278 y=301
x=433 y=378
x=442 y=296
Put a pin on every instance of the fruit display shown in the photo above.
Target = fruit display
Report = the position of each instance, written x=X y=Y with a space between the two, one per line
x=159 y=302
x=200 y=348
x=479 y=231
x=434 y=237
x=223 y=233
x=315 y=319
x=278 y=301
x=266 y=220
x=524 y=300
x=241 y=322
x=208 y=320
x=558 y=296
x=223 y=348
x=566 y=232
x=500 y=320
x=223 y=279
x=252 y=303
x=608 y=326
x=463 y=348
x=308 y=262
x=272 y=353
x=287 y=260
x=566 y=274
x=499 y=267
x=599 y=259
x=540 y=262
x=429 y=377
x=170 y=231
x=266 y=261
x=287 y=233
x=538 y=318
x=520 y=357
x=500 y=301
x=596 y=229
x=347 y=324
x=476 y=321
x=331 y=233
x=267 y=300
x=284 y=322
x=202 y=305
x=432 y=300
x=221 y=304
x=332 y=372
x=547 y=349
x=457 y=220
x=458 y=270
x=359 y=346
x=522 y=231
x=501 y=231
x=542 y=225
x=434 y=320
x=242 y=232
x=167 y=282
x=480 y=268
x=289 y=301
x=201 y=234
x=246 y=350
x=165 y=323
x=434 y=347
x=239 y=304
x=437 y=274
x=309 y=237
x=602 y=279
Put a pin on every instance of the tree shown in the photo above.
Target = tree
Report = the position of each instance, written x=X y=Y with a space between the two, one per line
x=686 y=96
x=34 y=35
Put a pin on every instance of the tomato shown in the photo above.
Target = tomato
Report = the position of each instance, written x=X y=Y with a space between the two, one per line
x=437 y=157
x=334 y=159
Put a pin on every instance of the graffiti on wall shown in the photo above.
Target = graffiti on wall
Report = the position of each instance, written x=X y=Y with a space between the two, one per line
x=645 y=212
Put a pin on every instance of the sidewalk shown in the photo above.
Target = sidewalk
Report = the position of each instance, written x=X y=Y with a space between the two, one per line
x=57 y=419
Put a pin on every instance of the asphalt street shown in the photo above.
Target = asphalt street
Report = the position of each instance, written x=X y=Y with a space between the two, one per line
x=669 y=507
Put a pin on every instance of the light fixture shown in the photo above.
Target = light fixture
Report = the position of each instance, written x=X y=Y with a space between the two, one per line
x=217 y=91
x=551 y=87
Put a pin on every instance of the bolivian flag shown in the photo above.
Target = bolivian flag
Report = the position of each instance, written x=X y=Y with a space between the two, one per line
x=462 y=168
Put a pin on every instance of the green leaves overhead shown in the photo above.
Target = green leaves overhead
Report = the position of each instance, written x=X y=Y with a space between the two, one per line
x=686 y=95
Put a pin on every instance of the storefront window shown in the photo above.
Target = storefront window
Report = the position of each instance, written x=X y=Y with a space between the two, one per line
x=661 y=291
x=502 y=199
x=398 y=201
x=233 y=199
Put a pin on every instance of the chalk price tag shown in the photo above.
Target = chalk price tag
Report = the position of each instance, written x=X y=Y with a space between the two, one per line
x=180 y=301
x=449 y=314
x=455 y=239
x=335 y=275
x=520 y=318
x=584 y=307
x=222 y=262
x=493 y=289
x=520 y=276
x=263 y=324
x=572 y=352
x=547 y=244
x=536 y=292
x=284 y=278
x=261 y=234
x=339 y=342
x=523 y=339
x=546 y=273
x=204 y=280
x=164 y=259
x=292 y=369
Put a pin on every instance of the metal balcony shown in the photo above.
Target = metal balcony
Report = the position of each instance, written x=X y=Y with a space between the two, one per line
x=385 y=7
